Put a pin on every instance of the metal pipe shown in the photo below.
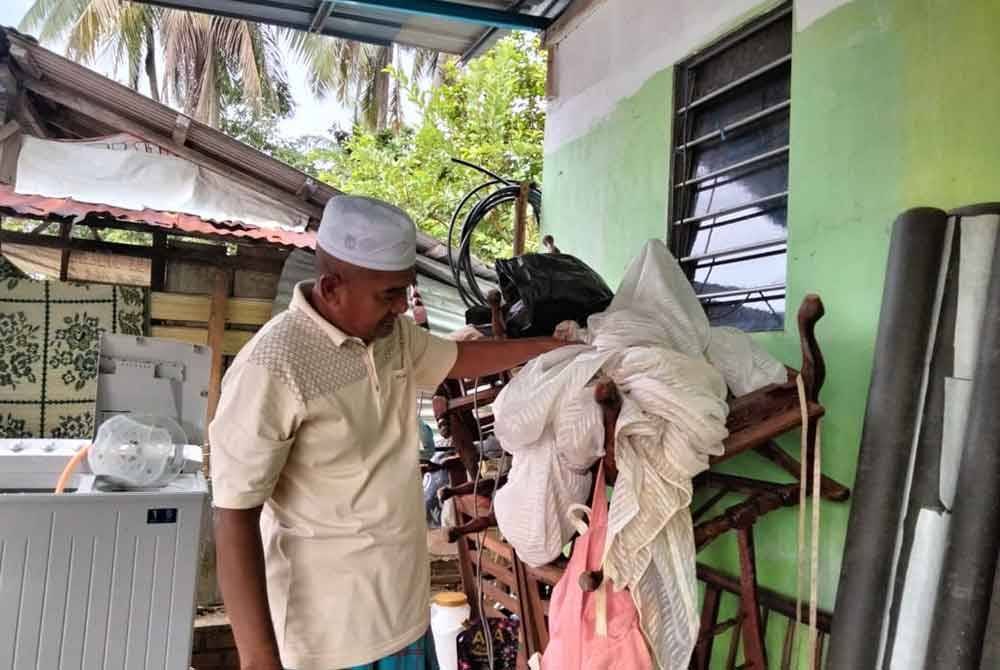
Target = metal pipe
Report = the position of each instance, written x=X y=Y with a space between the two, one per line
x=735 y=166
x=735 y=125
x=730 y=251
x=739 y=219
x=895 y=403
x=738 y=36
x=736 y=83
x=741 y=259
x=732 y=210
x=743 y=291
x=455 y=11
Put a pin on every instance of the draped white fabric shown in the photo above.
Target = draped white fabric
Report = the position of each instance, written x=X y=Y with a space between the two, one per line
x=655 y=342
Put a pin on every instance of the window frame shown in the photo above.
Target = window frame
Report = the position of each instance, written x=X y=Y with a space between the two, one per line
x=692 y=108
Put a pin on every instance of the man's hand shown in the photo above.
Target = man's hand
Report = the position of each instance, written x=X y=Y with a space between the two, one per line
x=487 y=357
x=240 y=565
x=572 y=333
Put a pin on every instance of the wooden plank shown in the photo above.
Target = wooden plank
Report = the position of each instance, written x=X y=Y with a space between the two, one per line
x=33 y=260
x=179 y=307
x=102 y=268
x=492 y=592
x=216 y=331
x=186 y=255
x=489 y=567
x=8 y=157
x=184 y=307
x=232 y=340
x=189 y=278
x=248 y=311
x=251 y=284
x=9 y=129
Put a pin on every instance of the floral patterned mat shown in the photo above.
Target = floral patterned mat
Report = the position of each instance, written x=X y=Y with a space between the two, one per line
x=49 y=337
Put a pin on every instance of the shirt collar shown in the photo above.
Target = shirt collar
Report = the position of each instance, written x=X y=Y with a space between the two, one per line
x=300 y=301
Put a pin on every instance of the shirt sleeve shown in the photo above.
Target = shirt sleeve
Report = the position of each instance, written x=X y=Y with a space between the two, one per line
x=432 y=357
x=250 y=436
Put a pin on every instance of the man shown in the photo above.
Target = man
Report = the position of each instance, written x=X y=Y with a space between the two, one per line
x=319 y=520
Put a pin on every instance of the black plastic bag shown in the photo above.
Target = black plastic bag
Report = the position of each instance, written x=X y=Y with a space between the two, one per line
x=543 y=290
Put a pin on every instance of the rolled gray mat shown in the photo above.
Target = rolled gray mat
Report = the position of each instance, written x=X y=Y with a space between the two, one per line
x=894 y=405
x=970 y=560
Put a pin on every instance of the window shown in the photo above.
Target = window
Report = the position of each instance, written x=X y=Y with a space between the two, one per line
x=729 y=196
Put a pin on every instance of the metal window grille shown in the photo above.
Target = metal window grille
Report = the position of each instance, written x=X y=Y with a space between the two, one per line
x=729 y=195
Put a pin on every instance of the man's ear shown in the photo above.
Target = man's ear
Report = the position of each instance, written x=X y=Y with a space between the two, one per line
x=330 y=287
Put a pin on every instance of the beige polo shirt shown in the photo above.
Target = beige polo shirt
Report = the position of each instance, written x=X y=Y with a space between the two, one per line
x=322 y=430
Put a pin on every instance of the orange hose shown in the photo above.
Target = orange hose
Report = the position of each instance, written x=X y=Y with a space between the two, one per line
x=70 y=467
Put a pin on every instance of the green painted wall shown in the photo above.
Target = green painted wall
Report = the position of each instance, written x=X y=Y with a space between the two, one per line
x=894 y=104
x=606 y=193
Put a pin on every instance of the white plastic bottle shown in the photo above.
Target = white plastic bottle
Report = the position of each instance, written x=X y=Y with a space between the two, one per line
x=449 y=612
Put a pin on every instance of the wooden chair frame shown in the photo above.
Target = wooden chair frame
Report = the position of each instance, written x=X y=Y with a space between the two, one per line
x=754 y=421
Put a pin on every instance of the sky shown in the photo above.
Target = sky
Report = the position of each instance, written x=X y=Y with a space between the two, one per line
x=312 y=116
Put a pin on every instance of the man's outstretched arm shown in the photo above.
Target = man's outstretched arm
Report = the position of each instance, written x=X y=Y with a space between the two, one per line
x=486 y=357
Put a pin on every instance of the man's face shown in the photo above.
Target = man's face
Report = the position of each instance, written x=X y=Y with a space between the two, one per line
x=366 y=303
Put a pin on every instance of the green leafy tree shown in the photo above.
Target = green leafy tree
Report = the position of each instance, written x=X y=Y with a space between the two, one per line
x=490 y=112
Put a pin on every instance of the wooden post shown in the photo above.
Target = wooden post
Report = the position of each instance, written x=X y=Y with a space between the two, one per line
x=65 y=231
x=216 y=331
x=158 y=266
x=520 y=218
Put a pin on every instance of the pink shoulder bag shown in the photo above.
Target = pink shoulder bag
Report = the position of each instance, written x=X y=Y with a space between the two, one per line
x=596 y=630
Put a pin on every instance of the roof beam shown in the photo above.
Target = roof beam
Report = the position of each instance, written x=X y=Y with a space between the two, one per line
x=321 y=15
x=286 y=17
x=576 y=14
x=9 y=129
x=485 y=36
x=454 y=11
x=28 y=116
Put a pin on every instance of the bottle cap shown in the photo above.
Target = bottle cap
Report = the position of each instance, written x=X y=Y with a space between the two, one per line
x=450 y=599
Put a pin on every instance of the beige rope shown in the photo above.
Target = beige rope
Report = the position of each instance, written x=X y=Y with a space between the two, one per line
x=804 y=476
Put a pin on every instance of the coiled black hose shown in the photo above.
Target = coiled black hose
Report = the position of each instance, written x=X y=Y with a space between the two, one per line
x=492 y=194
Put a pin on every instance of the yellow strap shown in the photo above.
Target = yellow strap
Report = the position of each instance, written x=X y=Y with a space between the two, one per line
x=601 y=607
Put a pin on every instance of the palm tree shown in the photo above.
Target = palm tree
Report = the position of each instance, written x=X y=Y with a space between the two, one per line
x=199 y=51
x=358 y=75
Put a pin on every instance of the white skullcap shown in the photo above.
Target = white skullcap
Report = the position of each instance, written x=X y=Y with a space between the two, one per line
x=368 y=233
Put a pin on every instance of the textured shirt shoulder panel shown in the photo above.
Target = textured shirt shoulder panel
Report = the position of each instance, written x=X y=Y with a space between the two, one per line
x=295 y=350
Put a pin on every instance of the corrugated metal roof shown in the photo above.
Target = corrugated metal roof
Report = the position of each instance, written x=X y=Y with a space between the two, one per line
x=42 y=208
x=464 y=28
x=100 y=105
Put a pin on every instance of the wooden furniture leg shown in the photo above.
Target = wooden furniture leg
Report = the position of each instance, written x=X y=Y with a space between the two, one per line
x=706 y=636
x=753 y=637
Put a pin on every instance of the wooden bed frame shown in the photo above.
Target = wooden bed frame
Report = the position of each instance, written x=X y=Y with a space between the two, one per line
x=754 y=421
